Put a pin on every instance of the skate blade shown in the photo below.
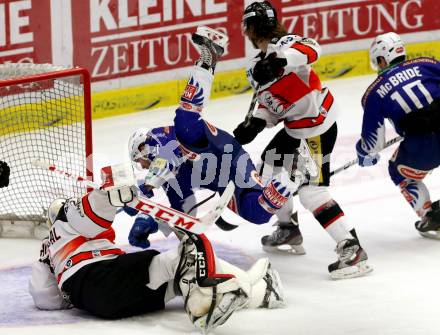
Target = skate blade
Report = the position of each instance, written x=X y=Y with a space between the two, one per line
x=285 y=249
x=432 y=234
x=358 y=270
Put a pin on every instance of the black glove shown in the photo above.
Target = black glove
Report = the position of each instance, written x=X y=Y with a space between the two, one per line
x=4 y=174
x=423 y=121
x=268 y=69
x=247 y=131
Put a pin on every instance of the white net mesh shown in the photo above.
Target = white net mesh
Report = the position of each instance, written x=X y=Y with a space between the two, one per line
x=41 y=118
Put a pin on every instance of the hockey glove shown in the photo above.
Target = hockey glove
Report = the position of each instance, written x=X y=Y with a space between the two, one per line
x=143 y=226
x=365 y=158
x=4 y=174
x=246 y=133
x=268 y=69
x=274 y=196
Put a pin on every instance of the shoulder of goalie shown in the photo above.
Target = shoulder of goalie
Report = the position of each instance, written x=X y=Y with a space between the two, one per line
x=210 y=296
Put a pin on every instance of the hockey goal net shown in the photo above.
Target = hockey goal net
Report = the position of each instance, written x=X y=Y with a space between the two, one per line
x=45 y=114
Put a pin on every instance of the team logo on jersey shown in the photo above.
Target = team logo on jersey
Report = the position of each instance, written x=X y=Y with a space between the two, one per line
x=190 y=91
x=96 y=253
x=274 y=103
x=69 y=263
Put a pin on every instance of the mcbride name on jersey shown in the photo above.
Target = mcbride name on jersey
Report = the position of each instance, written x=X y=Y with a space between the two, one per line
x=297 y=97
x=401 y=89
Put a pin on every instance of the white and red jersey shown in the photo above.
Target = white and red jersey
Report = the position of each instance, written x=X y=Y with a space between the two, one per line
x=297 y=97
x=83 y=234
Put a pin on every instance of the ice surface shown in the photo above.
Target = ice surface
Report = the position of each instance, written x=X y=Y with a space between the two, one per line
x=401 y=296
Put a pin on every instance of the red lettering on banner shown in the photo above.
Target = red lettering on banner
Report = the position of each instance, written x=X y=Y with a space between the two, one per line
x=25 y=31
x=131 y=37
x=333 y=21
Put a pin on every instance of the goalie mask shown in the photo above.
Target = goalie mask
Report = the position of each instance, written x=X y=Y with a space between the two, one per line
x=389 y=46
x=53 y=211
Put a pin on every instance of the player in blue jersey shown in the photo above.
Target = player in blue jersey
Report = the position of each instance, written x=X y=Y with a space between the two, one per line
x=193 y=154
x=406 y=92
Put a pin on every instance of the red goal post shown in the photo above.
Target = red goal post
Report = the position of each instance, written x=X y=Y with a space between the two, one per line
x=45 y=114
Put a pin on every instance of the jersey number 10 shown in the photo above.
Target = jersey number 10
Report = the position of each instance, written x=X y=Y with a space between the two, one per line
x=408 y=88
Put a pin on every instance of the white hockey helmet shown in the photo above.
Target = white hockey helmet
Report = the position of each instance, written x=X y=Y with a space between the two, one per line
x=389 y=46
x=53 y=210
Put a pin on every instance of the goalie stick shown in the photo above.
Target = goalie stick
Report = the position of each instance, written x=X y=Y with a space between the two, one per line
x=225 y=225
x=169 y=215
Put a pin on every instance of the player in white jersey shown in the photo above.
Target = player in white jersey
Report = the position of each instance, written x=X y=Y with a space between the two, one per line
x=289 y=91
x=4 y=174
x=80 y=266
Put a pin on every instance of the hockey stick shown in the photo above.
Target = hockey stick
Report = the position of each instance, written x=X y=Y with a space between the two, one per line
x=79 y=179
x=171 y=216
x=355 y=161
x=248 y=116
x=221 y=223
x=224 y=225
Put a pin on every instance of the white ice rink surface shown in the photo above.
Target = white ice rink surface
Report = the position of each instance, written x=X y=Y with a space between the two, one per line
x=401 y=296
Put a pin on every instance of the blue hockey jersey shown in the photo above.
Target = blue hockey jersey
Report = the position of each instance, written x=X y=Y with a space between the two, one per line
x=400 y=89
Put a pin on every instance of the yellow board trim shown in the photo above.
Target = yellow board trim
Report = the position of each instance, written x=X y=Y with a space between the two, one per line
x=45 y=114
x=141 y=98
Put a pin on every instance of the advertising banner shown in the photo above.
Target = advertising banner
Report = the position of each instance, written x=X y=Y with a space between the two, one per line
x=25 y=31
x=347 y=20
x=114 y=38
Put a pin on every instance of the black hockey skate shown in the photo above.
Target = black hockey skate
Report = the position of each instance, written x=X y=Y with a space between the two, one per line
x=429 y=225
x=352 y=261
x=286 y=238
x=212 y=46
